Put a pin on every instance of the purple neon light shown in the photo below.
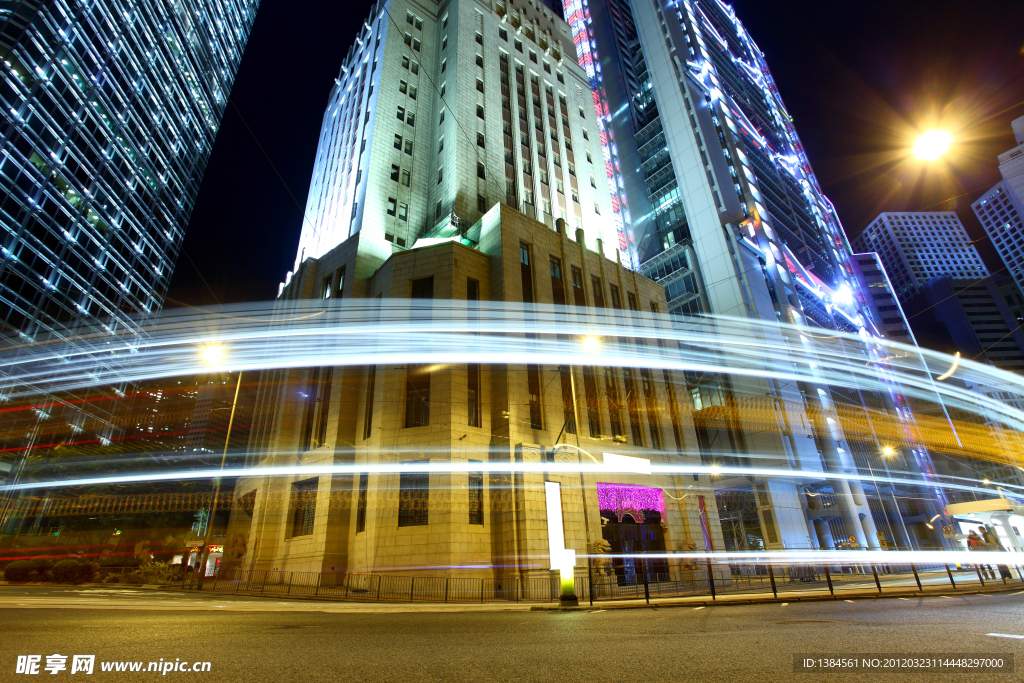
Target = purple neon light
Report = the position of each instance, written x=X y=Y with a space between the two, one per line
x=616 y=497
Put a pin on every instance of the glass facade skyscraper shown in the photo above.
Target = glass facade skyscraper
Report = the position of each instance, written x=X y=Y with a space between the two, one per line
x=715 y=199
x=697 y=139
x=110 y=110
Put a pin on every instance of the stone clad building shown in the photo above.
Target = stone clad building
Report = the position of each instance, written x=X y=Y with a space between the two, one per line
x=466 y=523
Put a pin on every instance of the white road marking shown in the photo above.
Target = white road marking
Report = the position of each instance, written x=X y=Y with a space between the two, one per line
x=784 y=604
x=902 y=598
x=1018 y=593
x=1004 y=635
x=697 y=608
x=598 y=610
x=944 y=596
x=847 y=600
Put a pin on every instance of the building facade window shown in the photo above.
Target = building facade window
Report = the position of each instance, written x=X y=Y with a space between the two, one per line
x=364 y=485
x=474 y=416
x=303 y=504
x=417 y=381
x=475 y=484
x=417 y=396
x=578 y=295
x=592 y=402
x=414 y=497
x=568 y=399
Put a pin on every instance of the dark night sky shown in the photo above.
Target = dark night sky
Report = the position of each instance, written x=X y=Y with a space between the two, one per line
x=857 y=78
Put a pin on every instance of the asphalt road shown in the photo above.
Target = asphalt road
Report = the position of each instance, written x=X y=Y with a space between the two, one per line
x=253 y=639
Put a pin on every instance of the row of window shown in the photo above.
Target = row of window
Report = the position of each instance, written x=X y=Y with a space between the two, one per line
x=408 y=117
x=413 y=500
x=634 y=390
x=401 y=209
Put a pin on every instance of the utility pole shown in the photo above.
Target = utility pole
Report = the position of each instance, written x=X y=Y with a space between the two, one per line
x=216 y=488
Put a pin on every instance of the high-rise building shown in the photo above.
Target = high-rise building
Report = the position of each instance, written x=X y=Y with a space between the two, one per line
x=1001 y=209
x=715 y=199
x=432 y=121
x=970 y=317
x=714 y=193
x=1011 y=162
x=459 y=160
x=917 y=247
x=110 y=111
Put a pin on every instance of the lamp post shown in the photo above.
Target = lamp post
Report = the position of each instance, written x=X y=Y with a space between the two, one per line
x=568 y=583
x=213 y=355
x=889 y=452
x=590 y=345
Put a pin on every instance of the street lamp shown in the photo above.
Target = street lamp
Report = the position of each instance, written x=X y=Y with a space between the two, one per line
x=932 y=144
x=566 y=571
x=213 y=355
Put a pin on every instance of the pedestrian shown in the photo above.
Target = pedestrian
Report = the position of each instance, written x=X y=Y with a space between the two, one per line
x=988 y=546
x=994 y=544
x=975 y=542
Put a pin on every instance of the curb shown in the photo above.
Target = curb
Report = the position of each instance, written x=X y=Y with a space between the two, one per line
x=604 y=606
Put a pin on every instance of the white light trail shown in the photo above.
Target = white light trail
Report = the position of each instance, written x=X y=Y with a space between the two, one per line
x=356 y=332
x=614 y=465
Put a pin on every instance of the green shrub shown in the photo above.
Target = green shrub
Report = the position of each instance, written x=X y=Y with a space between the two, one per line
x=73 y=571
x=155 y=573
x=120 y=561
x=19 y=570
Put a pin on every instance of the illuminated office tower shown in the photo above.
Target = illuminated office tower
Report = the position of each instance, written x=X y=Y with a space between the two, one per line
x=918 y=246
x=432 y=121
x=110 y=111
x=710 y=173
x=1001 y=209
x=716 y=200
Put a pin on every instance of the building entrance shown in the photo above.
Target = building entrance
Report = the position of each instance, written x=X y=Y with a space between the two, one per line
x=633 y=538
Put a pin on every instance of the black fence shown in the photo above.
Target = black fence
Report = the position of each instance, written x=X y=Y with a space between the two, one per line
x=757 y=579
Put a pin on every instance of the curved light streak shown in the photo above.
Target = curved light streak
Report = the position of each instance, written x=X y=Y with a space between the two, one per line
x=357 y=332
x=917 y=557
x=440 y=467
x=952 y=368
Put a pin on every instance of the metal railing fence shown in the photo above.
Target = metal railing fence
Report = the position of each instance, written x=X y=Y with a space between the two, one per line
x=776 y=579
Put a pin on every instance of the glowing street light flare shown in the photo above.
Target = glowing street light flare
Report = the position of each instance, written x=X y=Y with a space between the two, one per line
x=212 y=354
x=590 y=344
x=932 y=144
x=888 y=451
